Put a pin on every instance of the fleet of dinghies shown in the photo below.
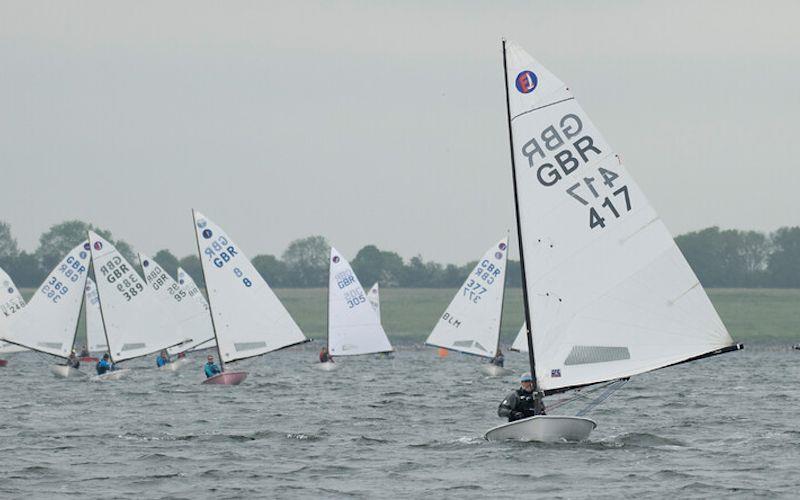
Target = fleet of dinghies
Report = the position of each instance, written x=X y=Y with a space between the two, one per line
x=607 y=294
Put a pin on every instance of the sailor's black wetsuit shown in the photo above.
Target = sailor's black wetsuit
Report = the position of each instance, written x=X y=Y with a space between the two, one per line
x=521 y=404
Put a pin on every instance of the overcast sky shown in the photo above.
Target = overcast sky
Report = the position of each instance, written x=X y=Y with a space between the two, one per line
x=379 y=122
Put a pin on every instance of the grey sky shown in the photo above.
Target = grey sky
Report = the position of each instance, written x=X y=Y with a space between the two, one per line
x=379 y=122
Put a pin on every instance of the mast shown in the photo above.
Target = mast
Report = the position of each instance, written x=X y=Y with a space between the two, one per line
x=525 y=301
x=100 y=306
x=503 y=298
x=328 y=311
x=210 y=311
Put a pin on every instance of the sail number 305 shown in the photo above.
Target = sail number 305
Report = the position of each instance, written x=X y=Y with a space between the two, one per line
x=611 y=205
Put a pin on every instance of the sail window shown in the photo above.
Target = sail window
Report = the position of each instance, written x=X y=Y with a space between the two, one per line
x=587 y=354
x=132 y=346
x=248 y=346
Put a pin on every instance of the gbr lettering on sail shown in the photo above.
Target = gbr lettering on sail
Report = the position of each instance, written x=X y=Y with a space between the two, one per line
x=567 y=154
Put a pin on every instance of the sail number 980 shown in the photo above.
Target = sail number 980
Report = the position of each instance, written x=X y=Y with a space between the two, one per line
x=619 y=196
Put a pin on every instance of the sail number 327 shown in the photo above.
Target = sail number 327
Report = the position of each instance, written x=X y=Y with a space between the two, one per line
x=618 y=202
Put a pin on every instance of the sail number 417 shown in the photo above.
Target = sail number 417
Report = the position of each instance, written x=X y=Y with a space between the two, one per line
x=618 y=196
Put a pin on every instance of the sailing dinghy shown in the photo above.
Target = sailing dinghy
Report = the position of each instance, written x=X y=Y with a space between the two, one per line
x=471 y=323
x=49 y=322
x=354 y=327
x=136 y=321
x=247 y=318
x=606 y=291
x=11 y=301
x=191 y=315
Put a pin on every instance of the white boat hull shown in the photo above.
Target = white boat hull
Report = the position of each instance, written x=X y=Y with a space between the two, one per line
x=112 y=375
x=543 y=428
x=175 y=365
x=63 y=371
x=491 y=370
x=326 y=366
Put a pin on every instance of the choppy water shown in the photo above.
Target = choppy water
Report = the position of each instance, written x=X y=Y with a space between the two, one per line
x=407 y=427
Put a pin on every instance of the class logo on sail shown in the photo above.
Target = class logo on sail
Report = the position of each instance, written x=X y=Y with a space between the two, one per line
x=527 y=81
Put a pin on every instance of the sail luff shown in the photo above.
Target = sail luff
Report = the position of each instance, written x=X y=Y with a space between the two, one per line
x=205 y=280
x=525 y=301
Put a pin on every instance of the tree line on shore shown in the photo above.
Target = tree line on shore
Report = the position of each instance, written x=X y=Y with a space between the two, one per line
x=721 y=258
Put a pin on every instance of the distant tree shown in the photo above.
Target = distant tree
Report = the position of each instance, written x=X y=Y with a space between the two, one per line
x=307 y=261
x=784 y=262
x=271 y=269
x=368 y=265
x=61 y=238
x=728 y=258
x=191 y=264
x=453 y=276
x=25 y=270
x=8 y=244
x=167 y=261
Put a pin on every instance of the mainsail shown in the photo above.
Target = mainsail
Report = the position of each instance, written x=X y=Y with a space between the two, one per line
x=190 y=287
x=11 y=302
x=247 y=316
x=49 y=322
x=373 y=296
x=95 y=335
x=193 y=318
x=609 y=292
x=137 y=322
x=471 y=323
x=353 y=325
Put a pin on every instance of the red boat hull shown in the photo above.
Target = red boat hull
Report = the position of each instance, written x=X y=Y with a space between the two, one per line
x=3 y=362
x=226 y=378
x=89 y=359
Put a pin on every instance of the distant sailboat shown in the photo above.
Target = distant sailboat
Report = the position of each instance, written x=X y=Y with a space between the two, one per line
x=95 y=335
x=190 y=287
x=247 y=317
x=610 y=292
x=373 y=296
x=471 y=323
x=354 y=326
x=49 y=322
x=137 y=322
x=11 y=302
x=191 y=314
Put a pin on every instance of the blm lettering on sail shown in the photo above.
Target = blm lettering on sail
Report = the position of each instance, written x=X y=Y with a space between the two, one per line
x=609 y=292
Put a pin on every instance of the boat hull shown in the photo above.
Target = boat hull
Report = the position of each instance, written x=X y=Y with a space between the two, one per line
x=3 y=362
x=175 y=365
x=491 y=370
x=112 y=375
x=89 y=359
x=543 y=428
x=226 y=378
x=63 y=371
x=327 y=366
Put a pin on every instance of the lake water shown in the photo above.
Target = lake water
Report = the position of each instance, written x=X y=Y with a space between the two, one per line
x=409 y=427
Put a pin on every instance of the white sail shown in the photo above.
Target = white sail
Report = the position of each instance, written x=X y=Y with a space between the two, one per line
x=95 y=334
x=11 y=301
x=521 y=341
x=471 y=323
x=248 y=317
x=610 y=294
x=48 y=322
x=187 y=284
x=191 y=315
x=136 y=320
x=353 y=325
x=373 y=296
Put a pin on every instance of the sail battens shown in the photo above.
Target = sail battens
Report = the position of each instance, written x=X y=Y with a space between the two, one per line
x=541 y=107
